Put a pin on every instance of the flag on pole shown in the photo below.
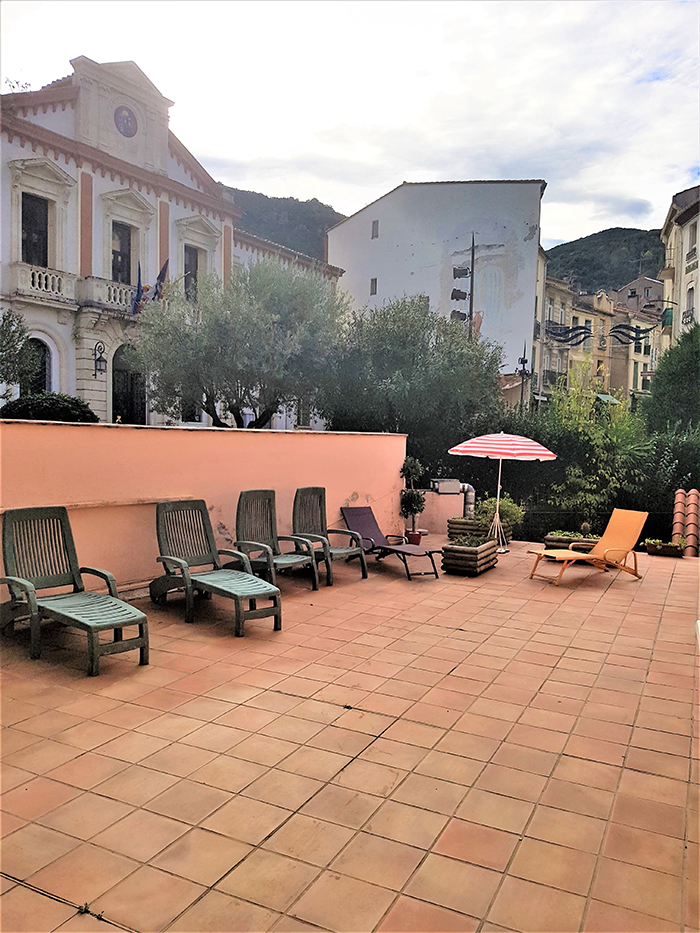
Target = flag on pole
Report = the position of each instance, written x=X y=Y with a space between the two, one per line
x=138 y=295
x=160 y=282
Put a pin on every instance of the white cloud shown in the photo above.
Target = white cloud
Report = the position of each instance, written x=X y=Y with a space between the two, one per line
x=344 y=100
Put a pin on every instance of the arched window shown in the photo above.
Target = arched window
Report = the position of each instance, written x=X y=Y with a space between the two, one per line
x=128 y=391
x=40 y=381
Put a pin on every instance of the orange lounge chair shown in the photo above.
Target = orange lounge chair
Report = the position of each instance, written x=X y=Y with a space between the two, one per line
x=610 y=553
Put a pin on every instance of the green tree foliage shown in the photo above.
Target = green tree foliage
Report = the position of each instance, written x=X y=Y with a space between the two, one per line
x=259 y=344
x=299 y=225
x=608 y=259
x=403 y=368
x=18 y=361
x=49 y=406
x=675 y=388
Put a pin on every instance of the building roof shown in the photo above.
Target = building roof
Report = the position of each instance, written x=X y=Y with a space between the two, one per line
x=415 y=184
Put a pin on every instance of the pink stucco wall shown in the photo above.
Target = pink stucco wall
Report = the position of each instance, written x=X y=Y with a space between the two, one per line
x=110 y=476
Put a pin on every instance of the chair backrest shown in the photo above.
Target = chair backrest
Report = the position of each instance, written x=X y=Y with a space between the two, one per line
x=361 y=519
x=621 y=534
x=309 y=512
x=256 y=517
x=184 y=531
x=37 y=545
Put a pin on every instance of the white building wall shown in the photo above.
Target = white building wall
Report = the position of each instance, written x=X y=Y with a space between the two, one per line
x=425 y=231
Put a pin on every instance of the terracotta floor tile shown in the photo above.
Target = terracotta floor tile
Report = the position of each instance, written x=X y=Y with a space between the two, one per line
x=485 y=726
x=358 y=720
x=607 y=731
x=170 y=726
x=263 y=749
x=246 y=819
x=545 y=740
x=430 y=793
x=41 y=757
x=135 y=785
x=511 y=783
x=450 y=768
x=414 y=733
x=309 y=839
x=49 y=723
x=650 y=815
x=411 y=916
x=215 y=737
x=247 y=718
x=567 y=829
x=31 y=848
x=489 y=809
x=378 y=860
x=370 y=778
x=607 y=917
x=133 y=747
x=87 y=771
x=558 y=867
x=37 y=797
x=178 y=759
x=637 y=888
x=525 y=759
x=83 y=874
x=343 y=741
x=577 y=798
x=342 y=805
x=314 y=763
x=455 y=885
x=26 y=911
x=533 y=908
x=269 y=879
x=481 y=845
x=661 y=742
x=201 y=856
x=217 y=911
x=188 y=801
x=341 y=904
x=228 y=773
x=395 y=754
x=148 y=900
x=468 y=745
x=649 y=850
x=412 y=825
x=580 y=746
x=292 y=728
x=85 y=815
x=283 y=789
x=661 y=763
x=10 y=823
x=590 y=773
x=127 y=716
x=653 y=787
x=140 y=835
x=13 y=740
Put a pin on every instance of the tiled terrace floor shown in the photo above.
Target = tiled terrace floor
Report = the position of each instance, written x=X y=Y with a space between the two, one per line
x=462 y=754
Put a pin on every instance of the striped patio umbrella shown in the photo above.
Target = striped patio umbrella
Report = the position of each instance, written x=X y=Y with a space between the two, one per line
x=502 y=447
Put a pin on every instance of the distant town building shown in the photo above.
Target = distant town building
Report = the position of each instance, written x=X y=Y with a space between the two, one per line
x=95 y=187
x=679 y=235
x=417 y=239
x=643 y=294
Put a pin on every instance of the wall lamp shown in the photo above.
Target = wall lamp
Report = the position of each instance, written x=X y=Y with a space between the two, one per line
x=458 y=295
x=100 y=361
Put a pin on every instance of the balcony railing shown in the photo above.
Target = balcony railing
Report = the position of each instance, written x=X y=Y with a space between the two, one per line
x=688 y=316
x=691 y=254
x=104 y=295
x=38 y=282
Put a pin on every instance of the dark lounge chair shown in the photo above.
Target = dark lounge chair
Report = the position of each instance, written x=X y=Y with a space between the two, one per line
x=309 y=520
x=39 y=553
x=361 y=520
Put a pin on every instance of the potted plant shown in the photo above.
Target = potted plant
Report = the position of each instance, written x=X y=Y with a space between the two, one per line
x=511 y=515
x=665 y=549
x=469 y=555
x=583 y=539
x=412 y=500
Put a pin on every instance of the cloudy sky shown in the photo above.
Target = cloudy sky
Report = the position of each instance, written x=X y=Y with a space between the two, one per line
x=342 y=100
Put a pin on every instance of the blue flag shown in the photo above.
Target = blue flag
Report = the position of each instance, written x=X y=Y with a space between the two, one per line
x=138 y=296
x=160 y=282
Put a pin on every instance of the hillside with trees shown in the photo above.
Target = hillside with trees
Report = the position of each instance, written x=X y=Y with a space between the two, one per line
x=298 y=225
x=608 y=259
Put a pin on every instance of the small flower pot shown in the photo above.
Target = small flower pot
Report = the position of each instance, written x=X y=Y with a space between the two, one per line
x=469 y=561
x=414 y=537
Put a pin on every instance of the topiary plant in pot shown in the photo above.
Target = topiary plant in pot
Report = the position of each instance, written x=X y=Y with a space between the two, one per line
x=412 y=500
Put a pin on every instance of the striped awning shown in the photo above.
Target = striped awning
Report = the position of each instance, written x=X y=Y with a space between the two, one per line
x=503 y=447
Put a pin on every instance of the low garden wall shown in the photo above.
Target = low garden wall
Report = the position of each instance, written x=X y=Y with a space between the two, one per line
x=110 y=478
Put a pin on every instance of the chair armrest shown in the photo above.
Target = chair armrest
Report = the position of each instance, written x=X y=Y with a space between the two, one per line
x=104 y=575
x=243 y=558
x=575 y=544
x=309 y=537
x=176 y=563
x=27 y=588
x=622 y=551
x=249 y=546
x=304 y=543
x=350 y=534
x=402 y=539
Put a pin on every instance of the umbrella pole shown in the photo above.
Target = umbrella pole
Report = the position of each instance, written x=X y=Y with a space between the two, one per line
x=496 y=530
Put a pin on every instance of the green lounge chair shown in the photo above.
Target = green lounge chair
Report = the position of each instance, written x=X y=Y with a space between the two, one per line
x=39 y=553
x=186 y=540
x=256 y=531
x=309 y=521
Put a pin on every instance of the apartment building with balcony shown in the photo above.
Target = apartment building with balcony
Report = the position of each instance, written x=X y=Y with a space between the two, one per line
x=679 y=235
x=95 y=186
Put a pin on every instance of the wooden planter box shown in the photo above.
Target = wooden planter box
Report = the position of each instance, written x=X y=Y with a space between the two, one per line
x=469 y=561
x=560 y=541
x=457 y=527
x=665 y=550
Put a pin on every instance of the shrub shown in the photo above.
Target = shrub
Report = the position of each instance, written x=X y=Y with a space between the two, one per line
x=471 y=540
x=49 y=406
x=511 y=513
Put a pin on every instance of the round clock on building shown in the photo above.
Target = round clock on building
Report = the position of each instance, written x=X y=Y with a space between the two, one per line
x=125 y=121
